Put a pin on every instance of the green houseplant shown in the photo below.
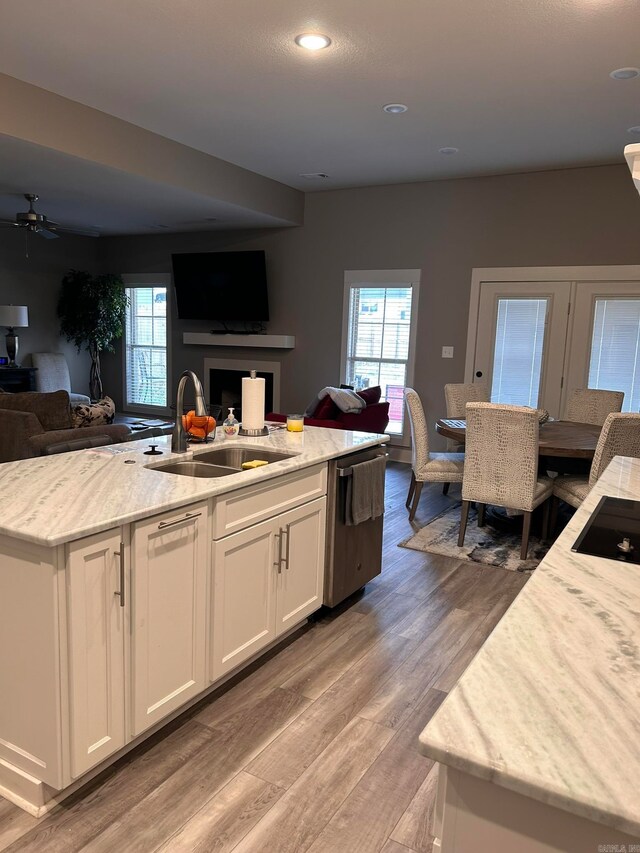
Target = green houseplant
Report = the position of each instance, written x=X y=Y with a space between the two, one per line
x=92 y=310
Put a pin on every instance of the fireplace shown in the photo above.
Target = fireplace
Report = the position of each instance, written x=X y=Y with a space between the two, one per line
x=223 y=383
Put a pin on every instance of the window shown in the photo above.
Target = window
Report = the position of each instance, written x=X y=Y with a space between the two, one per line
x=615 y=349
x=379 y=340
x=146 y=336
x=517 y=356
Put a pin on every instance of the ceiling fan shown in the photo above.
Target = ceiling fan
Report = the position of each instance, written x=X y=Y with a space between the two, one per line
x=37 y=223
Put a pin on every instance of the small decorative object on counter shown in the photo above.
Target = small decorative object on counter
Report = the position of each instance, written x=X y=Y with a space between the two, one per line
x=198 y=426
x=230 y=426
x=295 y=423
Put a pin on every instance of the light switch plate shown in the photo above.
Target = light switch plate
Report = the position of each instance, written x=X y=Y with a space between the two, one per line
x=447 y=352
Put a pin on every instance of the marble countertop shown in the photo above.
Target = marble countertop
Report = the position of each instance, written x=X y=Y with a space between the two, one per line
x=54 y=499
x=550 y=706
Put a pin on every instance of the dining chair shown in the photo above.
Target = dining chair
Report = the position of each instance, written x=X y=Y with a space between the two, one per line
x=427 y=467
x=590 y=406
x=620 y=436
x=457 y=395
x=501 y=465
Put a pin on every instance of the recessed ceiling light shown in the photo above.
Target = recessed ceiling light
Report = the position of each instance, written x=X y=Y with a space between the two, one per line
x=155 y=225
x=635 y=129
x=448 y=149
x=395 y=109
x=314 y=175
x=625 y=73
x=312 y=41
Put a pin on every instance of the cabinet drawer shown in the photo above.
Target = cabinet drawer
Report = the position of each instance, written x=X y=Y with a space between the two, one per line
x=235 y=511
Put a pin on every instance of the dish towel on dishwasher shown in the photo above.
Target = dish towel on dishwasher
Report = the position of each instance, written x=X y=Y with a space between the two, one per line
x=365 y=491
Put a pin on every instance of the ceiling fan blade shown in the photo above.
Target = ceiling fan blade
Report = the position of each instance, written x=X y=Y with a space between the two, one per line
x=48 y=235
x=80 y=232
x=7 y=222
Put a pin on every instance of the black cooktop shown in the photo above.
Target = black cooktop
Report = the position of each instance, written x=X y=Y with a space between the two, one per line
x=613 y=521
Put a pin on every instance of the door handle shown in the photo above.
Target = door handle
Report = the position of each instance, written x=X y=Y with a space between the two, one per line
x=120 y=592
x=187 y=517
x=286 y=557
x=278 y=562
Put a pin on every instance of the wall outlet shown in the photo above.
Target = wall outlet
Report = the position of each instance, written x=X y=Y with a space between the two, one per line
x=447 y=352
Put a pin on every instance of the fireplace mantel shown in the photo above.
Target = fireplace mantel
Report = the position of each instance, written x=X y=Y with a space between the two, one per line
x=231 y=340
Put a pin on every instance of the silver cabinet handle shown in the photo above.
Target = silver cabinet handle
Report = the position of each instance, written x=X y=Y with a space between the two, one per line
x=187 y=517
x=286 y=557
x=277 y=562
x=120 y=592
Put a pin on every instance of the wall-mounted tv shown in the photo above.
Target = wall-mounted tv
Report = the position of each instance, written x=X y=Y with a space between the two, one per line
x=221 y=286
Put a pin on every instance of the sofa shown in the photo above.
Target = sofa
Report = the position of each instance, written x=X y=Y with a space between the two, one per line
x=373 y=418
x=34 y=423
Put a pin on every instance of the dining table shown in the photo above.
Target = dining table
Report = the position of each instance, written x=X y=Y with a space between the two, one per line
x=568 y=439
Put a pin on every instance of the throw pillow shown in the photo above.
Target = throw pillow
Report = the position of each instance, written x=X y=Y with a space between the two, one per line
x=93 y=414
x=370 y=395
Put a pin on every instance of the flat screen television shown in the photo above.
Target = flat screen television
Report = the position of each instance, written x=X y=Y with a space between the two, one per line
x=221 y=286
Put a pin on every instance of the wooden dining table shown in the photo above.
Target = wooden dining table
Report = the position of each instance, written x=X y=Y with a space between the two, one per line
x=568 y=439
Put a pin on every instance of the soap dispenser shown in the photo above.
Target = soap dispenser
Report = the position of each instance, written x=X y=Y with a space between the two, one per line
x=230 y=426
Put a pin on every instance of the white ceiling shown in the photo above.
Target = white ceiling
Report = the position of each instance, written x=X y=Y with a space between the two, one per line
x=516 y=85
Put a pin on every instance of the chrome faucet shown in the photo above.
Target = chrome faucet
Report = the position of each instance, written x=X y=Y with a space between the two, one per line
x=179 y=436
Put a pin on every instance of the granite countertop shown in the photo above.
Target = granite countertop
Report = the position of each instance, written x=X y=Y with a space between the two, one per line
x=54 y=499
x=550 y=706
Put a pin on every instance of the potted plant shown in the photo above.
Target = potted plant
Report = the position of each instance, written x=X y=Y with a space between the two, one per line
x=92 y=310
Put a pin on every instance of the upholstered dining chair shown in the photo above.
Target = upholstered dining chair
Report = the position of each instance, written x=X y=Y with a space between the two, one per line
x=620 y=436
x=501 y=465
x=53 y=375
x=457 y=395
x=427 y=467
x=590 y=406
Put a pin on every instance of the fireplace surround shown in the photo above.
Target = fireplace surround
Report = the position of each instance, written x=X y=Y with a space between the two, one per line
x=223 y=382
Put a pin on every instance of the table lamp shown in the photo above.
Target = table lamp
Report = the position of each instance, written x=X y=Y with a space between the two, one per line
x=13 y=316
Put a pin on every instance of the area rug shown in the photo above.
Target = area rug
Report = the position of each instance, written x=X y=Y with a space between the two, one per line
x=486 y=544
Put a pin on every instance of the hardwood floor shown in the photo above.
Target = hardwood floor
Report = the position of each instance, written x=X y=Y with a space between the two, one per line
x=314 y=748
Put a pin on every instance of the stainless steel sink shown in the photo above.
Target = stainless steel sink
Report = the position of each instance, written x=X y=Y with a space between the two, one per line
x=196 y=469
x=233 y=457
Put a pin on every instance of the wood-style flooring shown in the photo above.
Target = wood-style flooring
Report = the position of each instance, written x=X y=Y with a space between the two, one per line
x=314 y=748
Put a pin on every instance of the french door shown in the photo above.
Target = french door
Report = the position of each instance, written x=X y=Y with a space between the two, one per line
x=609 y=356
x=536 y=341
x=520 y=347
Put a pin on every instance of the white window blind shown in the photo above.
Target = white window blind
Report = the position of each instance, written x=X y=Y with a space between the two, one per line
x=146 y=346
x=378 y=344
x=614 y=364
x=517 y=357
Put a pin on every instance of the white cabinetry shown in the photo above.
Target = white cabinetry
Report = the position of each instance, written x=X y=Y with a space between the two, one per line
x=168 y=636
x=266 y=580
x=96 y=595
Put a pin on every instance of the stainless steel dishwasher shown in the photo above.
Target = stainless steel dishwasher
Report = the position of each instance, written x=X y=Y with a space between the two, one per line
x=354 y=552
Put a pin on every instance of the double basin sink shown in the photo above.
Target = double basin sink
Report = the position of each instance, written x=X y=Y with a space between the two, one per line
x=222 y=461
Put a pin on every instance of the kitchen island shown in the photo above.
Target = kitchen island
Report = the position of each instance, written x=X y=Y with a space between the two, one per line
x=128 y=593
x=539 y=742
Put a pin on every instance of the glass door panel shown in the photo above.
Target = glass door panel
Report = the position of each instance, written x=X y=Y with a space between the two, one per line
x=517 y=356
x=520 y=342
x=605 y=344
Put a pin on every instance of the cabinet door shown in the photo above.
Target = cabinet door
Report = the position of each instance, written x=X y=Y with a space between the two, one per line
x=301 y=576
x=96 y=649
x=243 y=589
x=169 y=571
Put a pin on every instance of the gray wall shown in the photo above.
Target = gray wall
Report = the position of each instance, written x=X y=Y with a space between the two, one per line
x=445 y=228
x=35 y=282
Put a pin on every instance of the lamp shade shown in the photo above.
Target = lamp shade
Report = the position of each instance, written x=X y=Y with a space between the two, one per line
x=14 y=315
